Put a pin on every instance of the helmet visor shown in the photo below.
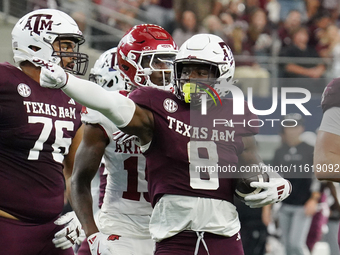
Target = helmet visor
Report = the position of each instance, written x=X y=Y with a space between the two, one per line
x=158 y=61
x=157 y=68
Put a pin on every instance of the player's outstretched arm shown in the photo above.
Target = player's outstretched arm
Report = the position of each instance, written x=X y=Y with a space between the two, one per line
x=275 y=190
x=122 y=111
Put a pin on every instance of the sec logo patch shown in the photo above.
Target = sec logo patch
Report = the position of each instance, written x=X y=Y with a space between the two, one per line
x=170 y=105
x=24 y=90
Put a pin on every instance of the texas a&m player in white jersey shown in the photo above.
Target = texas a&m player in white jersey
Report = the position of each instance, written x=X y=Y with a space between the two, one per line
x=193 y=209
x=122 y=225
x=39 y=133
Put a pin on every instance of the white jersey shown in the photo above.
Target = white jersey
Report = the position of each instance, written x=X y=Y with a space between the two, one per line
x=125 y=207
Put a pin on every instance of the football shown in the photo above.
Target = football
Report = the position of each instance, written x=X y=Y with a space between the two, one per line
x=243 y=187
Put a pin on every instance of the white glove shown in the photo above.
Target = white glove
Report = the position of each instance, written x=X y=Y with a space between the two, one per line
x=71 y=234
x=51 y=75
x=276 y=190
x=98 y=243
x=122 y=138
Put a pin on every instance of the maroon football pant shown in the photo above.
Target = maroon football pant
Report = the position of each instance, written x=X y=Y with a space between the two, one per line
x=84 y=248
x=20 y=238
x=185 y=242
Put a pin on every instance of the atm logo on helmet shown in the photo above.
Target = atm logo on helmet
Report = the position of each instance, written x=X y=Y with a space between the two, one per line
x=39 y=22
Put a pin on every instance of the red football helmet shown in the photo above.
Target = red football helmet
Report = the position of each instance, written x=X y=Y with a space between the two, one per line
x=145 y=56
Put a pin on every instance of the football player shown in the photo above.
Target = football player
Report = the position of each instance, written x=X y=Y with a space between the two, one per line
x=193 y=207
x=40 y=132
x=327 y=147
x=123 y=222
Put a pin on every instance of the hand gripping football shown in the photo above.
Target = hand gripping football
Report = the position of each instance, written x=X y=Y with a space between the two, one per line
x=243 y=187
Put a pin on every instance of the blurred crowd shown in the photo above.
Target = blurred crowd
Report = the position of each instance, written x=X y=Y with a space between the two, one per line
x=304 y=33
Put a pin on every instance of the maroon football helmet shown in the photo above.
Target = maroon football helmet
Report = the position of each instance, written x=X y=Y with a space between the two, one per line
x=145 y=56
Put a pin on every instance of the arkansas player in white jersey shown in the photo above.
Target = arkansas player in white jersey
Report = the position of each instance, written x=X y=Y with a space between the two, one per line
x=123 y=220
x=193 y=210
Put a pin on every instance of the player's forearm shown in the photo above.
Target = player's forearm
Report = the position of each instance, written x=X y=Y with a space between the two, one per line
x=86 y=164
x=118 y=108
x=82 y=205
x=83 y=209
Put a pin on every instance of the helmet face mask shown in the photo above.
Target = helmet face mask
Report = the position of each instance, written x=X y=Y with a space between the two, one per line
x=194 y=79
x=76 y=62
x=38 y=33
x=204 y=61
x=145 y=56
x=104 y=72
x=156 y=69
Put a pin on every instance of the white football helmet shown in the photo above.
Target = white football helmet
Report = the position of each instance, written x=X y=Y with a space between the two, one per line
x=212 y=52
x=34 y=34
x=104 y=72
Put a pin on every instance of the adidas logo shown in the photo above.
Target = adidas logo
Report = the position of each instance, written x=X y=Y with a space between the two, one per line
x=238 y=236
x=280 y=190
x=92 y=239
x=72 y=101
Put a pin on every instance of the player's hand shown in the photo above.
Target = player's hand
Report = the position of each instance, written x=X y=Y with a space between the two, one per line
x=71 y=234
x=98 y=243
x=51 y=75
x=122 y=138
x=276 y=190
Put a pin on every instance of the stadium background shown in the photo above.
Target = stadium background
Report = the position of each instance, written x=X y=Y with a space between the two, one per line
x=100 y=35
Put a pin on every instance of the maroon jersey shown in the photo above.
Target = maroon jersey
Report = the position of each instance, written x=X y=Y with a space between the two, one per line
x=36 y=129
x=330 y=96
x=186 y=143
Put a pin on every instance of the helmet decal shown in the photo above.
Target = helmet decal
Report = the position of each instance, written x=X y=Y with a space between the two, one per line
x=226 y=49
x=40 y=22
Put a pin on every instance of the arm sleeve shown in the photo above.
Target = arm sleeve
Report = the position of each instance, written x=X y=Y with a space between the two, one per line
x=331 y=121
x=118 y=108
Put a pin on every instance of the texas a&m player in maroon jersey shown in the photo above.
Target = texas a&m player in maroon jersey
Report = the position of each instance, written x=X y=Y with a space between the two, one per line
x=193 y=207
x=39 y=133
x=327 y=147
